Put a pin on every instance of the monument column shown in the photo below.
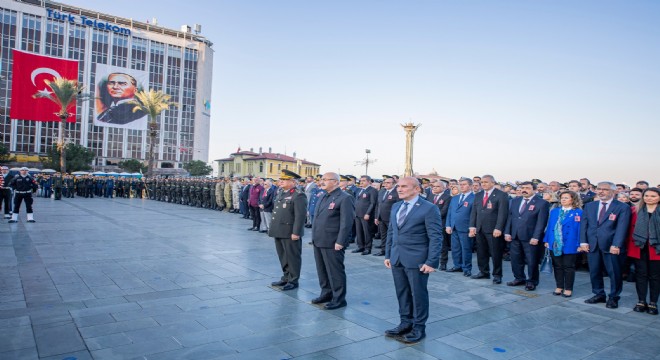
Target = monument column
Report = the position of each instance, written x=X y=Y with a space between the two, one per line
x=410 y=129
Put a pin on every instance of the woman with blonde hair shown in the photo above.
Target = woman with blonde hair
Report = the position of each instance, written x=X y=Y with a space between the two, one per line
x=562 y=239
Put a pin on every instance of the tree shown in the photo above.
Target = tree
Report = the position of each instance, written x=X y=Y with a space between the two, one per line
x=197 y=168
x=132 y=166
x=78 y=158
x=153 y=103
x=65 y=93
x=5 y=156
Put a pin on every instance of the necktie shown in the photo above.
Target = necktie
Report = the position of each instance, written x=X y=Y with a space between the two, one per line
x=461 y=199
x=402 y=214
x=524 y=206
x=386 y=194
x=485 y=199
x=435 y=200
x=601 y=215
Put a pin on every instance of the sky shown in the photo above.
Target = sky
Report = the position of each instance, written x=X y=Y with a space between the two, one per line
x=555 y=90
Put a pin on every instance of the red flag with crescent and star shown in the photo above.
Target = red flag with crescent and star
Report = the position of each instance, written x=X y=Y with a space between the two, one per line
x=28 y=75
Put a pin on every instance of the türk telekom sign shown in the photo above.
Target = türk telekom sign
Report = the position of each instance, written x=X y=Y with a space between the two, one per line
x=83 y=20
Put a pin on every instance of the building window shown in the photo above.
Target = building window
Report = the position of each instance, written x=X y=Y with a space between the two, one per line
x=261 y=166
x=222 y=168
x=279 y=167
x=271 y=168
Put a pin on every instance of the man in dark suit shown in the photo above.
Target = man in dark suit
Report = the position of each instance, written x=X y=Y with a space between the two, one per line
x=286 y=227
x=487 y=222
x=116 y=96
x=386 y=198
x=426 y=188
x=333 y=219
x=603 y=234
x=365 y=208
x=412 y=252
x=528 y=216
x=585 y=191
x=441 y=198
x=458 y=226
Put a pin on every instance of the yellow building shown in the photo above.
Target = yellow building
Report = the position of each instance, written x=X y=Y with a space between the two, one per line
x=264 y=165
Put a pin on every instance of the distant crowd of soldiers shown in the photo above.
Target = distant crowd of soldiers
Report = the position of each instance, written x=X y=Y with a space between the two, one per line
x=88 y=186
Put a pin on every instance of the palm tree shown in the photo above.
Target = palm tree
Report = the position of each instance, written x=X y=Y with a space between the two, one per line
x=65 y=93
x=153 y=103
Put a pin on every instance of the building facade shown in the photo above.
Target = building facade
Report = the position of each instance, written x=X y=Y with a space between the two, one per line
x=179 y=63
x=264 y=165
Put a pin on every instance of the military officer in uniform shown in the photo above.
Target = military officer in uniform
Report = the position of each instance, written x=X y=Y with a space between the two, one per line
x=57 y=185
x=286 y=227
x=24 y=185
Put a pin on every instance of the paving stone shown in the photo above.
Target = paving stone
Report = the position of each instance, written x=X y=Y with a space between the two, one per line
x=314 y=343
x=137 y=350
x=15 y=338
x=58 y=340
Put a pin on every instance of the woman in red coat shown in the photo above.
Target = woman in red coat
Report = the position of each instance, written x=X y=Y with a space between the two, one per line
x=644 y=247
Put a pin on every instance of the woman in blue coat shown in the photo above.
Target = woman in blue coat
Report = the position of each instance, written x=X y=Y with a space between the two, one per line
x=562 y=238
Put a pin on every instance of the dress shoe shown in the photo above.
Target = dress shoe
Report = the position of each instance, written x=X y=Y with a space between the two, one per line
x=380 y=253
x=612 y=303
x=278 y=283
x=557 y=293
x=530 y=287
x=263 y=231
x=321 y=299
x=467 y=274
x=251 y=229
x=653 y=309
x=455 y=269
x=366 y=252
x=413 y=337
x=12 y=221
x=255 y=229
x=515 y=283
x=564 y=294
x=31 y=221
x=357 y=251
x=481 y=275
x=402 y=329
x=497 y=280
x=333 y=305
x=443 y=268
x=641 y=307
x=595 y=299
x=308 y=226
x=289 y=286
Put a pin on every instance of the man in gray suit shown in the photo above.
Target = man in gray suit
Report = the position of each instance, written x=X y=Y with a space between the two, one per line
x=333 y=220
x=287 y=225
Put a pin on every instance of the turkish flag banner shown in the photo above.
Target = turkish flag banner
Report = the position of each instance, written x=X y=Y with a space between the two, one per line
x=28 y=75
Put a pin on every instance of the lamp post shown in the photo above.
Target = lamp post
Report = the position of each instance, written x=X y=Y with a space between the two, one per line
x=366 y=163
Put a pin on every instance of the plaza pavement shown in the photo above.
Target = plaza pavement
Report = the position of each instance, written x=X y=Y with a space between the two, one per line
x=131 y=278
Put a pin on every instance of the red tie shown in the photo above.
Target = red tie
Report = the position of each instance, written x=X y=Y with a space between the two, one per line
x=524 y=207
x=603 y=211
x=485 y=199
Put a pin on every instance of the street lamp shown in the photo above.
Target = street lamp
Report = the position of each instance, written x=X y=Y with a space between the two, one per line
x=366 y=163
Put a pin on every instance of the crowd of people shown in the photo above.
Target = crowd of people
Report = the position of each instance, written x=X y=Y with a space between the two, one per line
x=611 y=229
